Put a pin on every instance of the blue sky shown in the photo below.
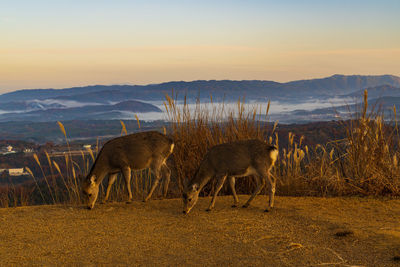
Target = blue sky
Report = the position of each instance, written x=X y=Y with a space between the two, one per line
x=68 y=43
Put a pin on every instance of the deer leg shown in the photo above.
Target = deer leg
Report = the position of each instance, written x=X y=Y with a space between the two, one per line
x=111 y=180
x=235 y=197
x=272 y=182
x=220 y=183
x=127 y=176
x=157 y=173
x=260 y=186
x=167 y=177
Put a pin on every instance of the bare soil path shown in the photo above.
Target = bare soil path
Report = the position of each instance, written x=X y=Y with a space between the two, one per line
x=299 y=232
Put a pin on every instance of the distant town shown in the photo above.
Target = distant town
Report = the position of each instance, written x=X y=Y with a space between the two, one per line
x=19 y=171
x=10 y=150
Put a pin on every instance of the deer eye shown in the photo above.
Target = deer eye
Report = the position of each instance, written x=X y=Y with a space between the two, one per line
x=89 y=195
x=189 y=199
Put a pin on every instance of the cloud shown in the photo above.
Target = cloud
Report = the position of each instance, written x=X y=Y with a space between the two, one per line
x=125 y=49
x=348 y=52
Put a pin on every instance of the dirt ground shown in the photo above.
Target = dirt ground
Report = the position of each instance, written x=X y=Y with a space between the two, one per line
x=298 y=232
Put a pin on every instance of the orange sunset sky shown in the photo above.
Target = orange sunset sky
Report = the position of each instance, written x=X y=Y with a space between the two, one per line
x=57 y=44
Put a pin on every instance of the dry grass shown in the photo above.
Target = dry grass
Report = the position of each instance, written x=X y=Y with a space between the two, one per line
x=196 y=130
x=364 y=163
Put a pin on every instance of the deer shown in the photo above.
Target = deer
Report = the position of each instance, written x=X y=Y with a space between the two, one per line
x=136 y=151
x=233 y=160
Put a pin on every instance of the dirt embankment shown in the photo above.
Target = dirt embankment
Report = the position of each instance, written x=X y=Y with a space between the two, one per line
x=299 y=232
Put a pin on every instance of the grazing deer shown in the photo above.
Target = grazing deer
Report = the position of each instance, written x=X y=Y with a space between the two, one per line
x=123 y=154
x=236 y=159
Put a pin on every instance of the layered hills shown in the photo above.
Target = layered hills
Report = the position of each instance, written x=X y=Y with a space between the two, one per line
x=122 y=101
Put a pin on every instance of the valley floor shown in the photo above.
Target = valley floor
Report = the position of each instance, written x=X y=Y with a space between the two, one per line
x=298 y=232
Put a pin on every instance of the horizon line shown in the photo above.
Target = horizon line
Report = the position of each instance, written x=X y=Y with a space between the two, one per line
x=188 y=81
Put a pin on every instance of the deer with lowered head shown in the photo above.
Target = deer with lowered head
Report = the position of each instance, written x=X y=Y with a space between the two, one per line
x=123 y=154
x=231 y=160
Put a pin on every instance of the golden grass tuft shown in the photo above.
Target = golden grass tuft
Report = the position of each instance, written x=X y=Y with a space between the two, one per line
x=123 y=131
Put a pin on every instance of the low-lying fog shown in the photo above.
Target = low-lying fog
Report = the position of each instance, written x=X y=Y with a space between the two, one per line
x=217 y=109
x=276 y=107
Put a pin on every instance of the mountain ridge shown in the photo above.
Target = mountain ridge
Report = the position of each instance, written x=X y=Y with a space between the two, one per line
x=335 y=84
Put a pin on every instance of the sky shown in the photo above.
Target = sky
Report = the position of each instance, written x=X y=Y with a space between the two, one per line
x=65 y=43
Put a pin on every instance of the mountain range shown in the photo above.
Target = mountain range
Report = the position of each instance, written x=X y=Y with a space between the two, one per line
x=119 y=101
